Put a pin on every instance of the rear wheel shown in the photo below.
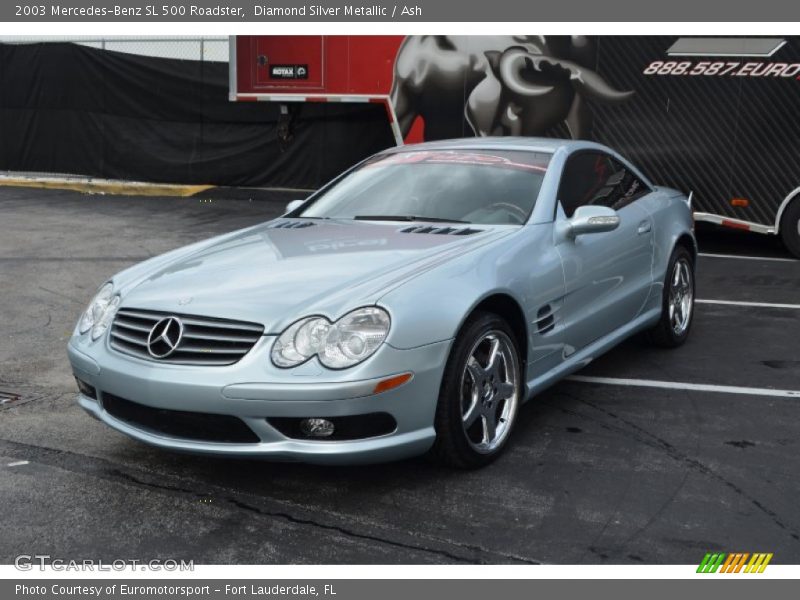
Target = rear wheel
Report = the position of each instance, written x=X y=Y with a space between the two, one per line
x=677 y=308
x=790 y=227
x=480 y=394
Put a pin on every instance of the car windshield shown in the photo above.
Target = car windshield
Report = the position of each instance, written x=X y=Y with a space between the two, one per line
x=467 y=186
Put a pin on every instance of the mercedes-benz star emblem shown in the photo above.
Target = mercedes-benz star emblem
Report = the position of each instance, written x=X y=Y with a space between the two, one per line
x=164 y=337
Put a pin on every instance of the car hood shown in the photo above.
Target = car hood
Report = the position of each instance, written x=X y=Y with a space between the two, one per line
x=282 y=270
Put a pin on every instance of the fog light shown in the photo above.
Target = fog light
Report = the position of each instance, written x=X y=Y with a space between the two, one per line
x=350 y=427
x=318 y=428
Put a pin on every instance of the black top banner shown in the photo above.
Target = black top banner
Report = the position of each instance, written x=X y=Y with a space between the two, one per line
x=392 y=11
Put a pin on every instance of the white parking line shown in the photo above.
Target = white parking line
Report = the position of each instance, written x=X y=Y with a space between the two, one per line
x=677 y=385
x=745 y=303
x=18 y=463
x=772 y=258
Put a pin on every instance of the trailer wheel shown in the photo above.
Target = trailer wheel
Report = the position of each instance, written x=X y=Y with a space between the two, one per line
x=790 y=227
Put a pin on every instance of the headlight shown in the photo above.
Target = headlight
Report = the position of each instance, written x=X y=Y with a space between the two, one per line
x=100 y=312
x=345 y=343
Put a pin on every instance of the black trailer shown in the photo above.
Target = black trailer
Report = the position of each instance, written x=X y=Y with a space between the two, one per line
x=714 y=116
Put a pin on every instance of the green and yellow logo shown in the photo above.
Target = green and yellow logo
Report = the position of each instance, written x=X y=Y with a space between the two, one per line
x=739 y=562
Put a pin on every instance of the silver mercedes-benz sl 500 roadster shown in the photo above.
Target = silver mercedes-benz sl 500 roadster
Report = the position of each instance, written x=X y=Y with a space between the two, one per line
x=409 y=306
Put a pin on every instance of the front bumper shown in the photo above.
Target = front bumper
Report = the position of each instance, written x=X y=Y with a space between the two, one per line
x=253 y=390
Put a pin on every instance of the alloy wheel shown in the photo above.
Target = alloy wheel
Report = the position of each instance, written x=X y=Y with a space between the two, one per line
x=489 y=391
x=681 y=297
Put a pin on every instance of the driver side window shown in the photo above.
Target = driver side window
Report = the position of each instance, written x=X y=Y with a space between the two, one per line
x=597 y=178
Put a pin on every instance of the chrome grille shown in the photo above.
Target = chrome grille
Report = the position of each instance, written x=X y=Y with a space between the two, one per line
x=205 y=341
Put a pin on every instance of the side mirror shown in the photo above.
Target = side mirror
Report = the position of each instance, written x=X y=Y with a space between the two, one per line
x=591 y=219
x=294 y=205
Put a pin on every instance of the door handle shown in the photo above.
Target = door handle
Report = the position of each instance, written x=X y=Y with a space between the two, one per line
x=644 y=227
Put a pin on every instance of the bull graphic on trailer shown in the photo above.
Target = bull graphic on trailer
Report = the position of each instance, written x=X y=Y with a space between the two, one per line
x=497 y=85
x=712 y=116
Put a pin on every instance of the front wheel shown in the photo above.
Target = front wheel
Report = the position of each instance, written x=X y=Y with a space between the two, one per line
x=790 y=227
x=677 y=308
x=480 y=394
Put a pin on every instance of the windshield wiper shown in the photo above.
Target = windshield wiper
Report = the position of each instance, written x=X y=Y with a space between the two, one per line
x=405 y=218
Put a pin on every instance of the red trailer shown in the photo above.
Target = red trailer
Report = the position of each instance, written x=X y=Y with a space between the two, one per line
x=315 y=68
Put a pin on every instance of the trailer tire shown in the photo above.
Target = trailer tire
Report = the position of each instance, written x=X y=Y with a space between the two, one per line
x=790 y=227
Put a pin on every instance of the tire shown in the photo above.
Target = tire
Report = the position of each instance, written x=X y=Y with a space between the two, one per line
x=475 y=392
x=790 y=227
x=673 y=328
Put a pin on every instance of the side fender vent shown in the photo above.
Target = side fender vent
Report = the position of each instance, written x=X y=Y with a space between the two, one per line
x=545 y=319
x=440 y=230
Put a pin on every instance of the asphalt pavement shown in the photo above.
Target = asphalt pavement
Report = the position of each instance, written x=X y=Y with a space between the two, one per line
x=655 y=456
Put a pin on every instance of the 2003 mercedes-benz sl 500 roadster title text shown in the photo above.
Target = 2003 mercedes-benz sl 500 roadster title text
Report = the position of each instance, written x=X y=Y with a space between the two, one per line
x=409 y=306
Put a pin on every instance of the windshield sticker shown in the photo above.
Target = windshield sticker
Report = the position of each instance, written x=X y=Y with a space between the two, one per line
x=455 y=158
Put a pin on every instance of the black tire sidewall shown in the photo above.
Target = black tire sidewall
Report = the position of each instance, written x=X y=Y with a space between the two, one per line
x=789 y=224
